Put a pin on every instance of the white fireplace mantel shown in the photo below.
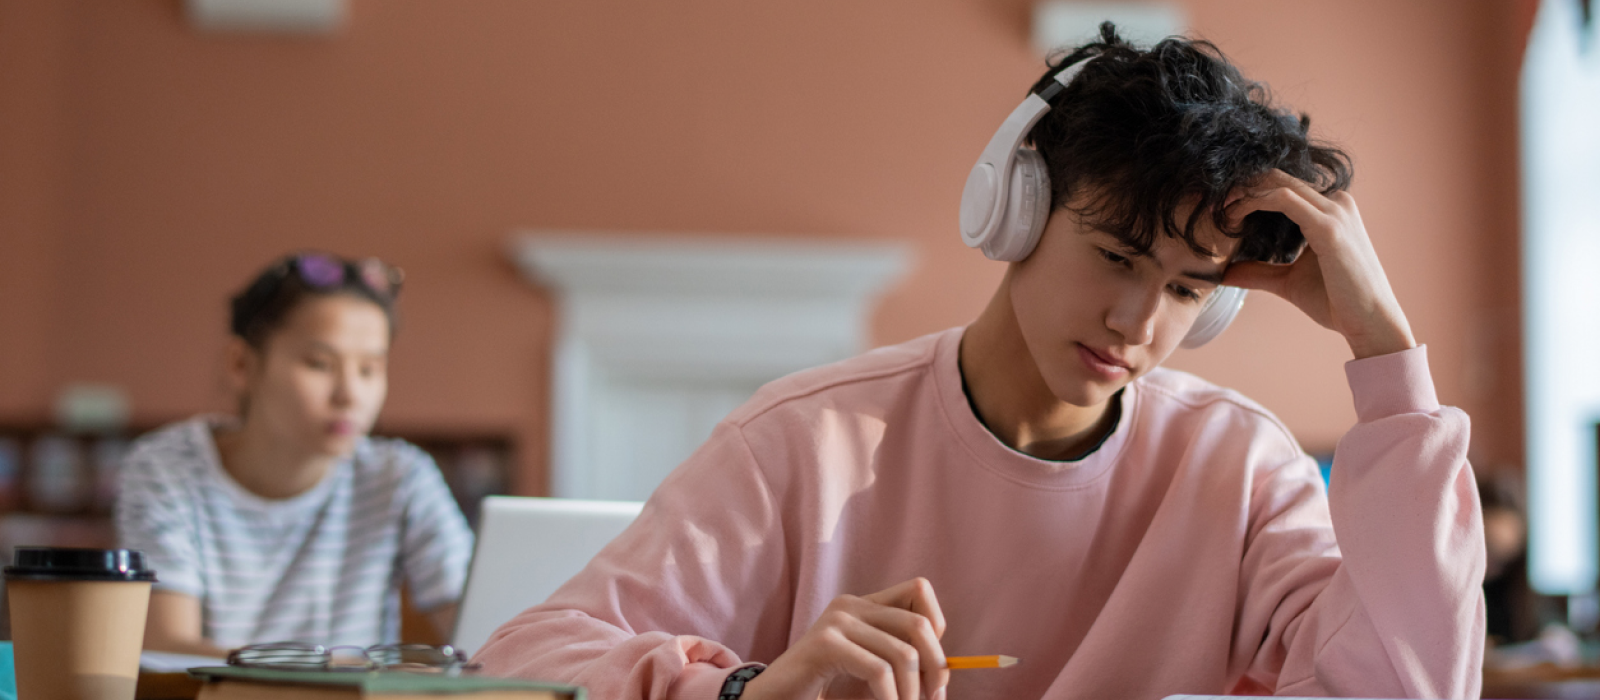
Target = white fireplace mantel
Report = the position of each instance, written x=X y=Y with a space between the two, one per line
x=661 y=336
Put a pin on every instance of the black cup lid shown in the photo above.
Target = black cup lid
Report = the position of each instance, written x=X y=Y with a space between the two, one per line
x=73 y=564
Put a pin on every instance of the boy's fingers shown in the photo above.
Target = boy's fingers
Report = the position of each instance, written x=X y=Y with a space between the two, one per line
x=900 y=657
x=936 y=681
x=917 y=631
x=1279 y=178
x=910 y=611
x=914 y=629
x=915 y=595
x=1313 y=222
x=878 y=675
x=1261 y=276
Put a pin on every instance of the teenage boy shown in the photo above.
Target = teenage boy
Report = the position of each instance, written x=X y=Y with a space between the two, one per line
x=1035 y=485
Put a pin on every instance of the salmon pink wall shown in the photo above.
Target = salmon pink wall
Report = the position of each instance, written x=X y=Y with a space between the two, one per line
x=33 y=169
x=1423 y=96
x=148 y=170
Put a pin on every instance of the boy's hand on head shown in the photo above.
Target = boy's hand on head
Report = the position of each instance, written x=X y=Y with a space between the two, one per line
x=1337 y=280
x=883 y=646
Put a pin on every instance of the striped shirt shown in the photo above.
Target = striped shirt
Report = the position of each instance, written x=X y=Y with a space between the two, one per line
x=321 y=567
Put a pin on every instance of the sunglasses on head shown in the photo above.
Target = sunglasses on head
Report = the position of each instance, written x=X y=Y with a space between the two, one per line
x=323 y=271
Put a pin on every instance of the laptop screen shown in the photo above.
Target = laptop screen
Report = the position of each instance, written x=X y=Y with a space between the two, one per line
x=526 y=549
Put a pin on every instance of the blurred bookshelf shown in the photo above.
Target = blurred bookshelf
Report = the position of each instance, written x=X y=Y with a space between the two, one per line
x=57 y=488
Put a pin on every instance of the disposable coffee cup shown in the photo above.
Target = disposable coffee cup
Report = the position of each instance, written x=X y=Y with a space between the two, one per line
x=77 y=621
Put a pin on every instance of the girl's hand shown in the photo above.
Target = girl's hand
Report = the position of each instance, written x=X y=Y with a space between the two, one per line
x=888 y=641
x=1337 y=280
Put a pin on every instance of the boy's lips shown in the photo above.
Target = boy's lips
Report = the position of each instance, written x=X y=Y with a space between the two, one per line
x=1109 y=357
x=1103 y=362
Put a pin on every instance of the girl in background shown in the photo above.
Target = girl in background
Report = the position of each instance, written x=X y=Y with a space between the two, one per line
x=288 y=522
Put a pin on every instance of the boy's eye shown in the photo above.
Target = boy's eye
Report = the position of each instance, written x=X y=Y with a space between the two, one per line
x=1185 y=292
x=318 y=363
x=1113 y=258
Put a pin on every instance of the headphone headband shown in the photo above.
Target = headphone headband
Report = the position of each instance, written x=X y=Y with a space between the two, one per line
x=981 y=199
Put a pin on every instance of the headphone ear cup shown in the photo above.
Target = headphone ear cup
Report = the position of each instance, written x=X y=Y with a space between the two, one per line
x=1219 y=311
x=1026 y=211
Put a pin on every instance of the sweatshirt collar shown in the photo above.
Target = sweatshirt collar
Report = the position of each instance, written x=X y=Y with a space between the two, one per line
x=994 y=455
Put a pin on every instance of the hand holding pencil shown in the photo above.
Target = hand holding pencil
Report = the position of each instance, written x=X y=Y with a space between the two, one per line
x=885 y=643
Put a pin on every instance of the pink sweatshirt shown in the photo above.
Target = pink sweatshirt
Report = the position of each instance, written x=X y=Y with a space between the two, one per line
x=1193 y=552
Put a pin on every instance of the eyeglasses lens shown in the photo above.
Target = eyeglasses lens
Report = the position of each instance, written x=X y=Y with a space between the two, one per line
x=379 y=277
x=414 y=655
x=416 y=658
x=280 y=655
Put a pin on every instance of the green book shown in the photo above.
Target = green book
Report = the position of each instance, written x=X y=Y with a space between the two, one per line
x=242 y=683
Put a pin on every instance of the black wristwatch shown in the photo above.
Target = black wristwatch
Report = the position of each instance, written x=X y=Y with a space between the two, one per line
x=734 y=686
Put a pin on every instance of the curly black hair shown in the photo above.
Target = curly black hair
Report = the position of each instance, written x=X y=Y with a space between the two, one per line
x=1152 y=131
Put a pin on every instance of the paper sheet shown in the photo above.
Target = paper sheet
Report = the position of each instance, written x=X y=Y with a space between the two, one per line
x=167 y=662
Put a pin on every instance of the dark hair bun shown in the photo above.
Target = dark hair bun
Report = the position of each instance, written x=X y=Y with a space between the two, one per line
x=263 y=306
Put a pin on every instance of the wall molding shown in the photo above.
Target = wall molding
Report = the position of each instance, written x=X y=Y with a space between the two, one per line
x=660 y=336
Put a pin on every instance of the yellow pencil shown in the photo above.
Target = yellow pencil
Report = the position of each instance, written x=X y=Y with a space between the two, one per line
x=955 y=662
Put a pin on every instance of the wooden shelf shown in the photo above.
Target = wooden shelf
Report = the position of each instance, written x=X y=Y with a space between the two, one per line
x=57 y=488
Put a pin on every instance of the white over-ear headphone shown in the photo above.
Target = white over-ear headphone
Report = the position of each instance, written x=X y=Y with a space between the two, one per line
x=1006 y=203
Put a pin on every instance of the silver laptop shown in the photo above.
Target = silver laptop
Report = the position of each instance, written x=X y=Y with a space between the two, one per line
x=527 y=548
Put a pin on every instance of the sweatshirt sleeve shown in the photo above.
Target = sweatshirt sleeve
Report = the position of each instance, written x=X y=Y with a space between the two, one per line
x=661 y=611
x=1395 y=609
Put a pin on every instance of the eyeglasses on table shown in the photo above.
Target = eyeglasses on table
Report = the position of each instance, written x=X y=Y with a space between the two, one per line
x=297 y=656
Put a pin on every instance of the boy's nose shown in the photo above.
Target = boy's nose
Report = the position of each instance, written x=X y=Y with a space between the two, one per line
x=1134 y=317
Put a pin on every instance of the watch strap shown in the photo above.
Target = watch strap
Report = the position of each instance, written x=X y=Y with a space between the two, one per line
x=733 y=688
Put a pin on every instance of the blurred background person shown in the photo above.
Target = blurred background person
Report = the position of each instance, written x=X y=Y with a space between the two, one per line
x=288 y=522
x=1509 y=600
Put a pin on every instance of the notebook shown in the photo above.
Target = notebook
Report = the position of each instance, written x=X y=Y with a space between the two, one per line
x=241 y=683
